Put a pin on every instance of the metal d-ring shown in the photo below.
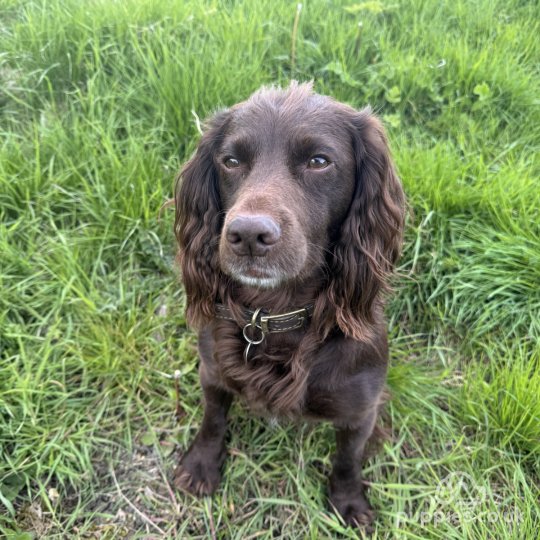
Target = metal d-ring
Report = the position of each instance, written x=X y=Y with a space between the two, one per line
x=250 y=341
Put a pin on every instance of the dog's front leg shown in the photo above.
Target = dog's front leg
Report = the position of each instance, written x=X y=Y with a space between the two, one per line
x=199 y=470
x=346 y=487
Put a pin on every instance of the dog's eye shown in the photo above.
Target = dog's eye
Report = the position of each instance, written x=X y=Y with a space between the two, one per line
x=318 y=162
x=231 y=163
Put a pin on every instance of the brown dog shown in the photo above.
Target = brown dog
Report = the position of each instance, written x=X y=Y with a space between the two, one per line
x=289 y=221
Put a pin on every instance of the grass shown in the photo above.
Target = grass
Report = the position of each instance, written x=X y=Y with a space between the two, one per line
x=99 y=104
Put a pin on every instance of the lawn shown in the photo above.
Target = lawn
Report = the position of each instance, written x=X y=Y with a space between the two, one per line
x=100 y=103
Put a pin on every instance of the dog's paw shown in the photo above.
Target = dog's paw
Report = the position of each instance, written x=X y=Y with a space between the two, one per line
x=197 y=475
x=354 y=509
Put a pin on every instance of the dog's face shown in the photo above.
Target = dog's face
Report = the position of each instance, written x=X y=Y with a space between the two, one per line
x=290 y=188
x=286 y=181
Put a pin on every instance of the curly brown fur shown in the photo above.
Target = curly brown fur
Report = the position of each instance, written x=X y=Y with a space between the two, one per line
x=291 y=199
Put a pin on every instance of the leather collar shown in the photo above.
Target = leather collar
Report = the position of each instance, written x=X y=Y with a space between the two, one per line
x=267 y=323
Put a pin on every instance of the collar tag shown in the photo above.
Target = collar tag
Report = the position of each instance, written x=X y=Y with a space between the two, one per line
x=252 y=327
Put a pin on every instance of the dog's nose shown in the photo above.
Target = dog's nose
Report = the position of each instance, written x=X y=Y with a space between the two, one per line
x=252 y=235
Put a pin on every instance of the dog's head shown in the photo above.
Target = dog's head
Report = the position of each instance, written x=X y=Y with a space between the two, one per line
x=284 y=187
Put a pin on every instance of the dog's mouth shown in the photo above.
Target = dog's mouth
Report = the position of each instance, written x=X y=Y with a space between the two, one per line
x=255 y=274
x=259 y=283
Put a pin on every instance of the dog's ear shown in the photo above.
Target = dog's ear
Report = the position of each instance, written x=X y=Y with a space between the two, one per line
x=198 y=223
x=371 y=235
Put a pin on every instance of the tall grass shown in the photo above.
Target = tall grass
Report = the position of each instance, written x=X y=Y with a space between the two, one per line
x=99 y=105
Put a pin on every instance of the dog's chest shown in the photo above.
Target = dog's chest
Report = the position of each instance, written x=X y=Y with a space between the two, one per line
x=271 y=377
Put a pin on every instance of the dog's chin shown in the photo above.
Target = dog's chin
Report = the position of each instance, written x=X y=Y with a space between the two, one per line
x=259 y=282
x=255 y=276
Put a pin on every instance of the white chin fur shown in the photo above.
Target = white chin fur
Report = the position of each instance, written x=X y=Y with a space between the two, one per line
x=260 y=283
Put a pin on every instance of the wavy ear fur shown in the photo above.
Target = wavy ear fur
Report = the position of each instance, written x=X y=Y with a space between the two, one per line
x=371 y=235
x=198 y=223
